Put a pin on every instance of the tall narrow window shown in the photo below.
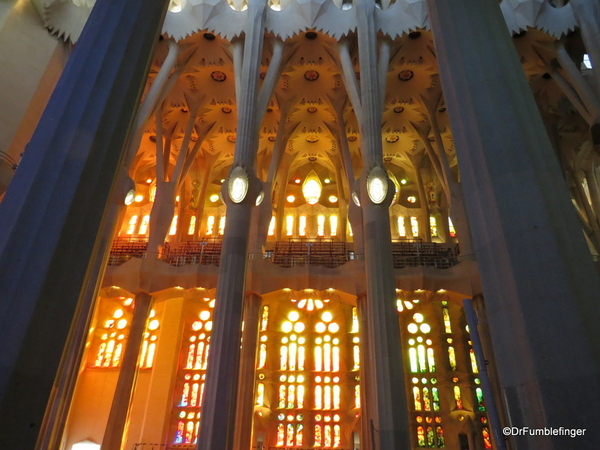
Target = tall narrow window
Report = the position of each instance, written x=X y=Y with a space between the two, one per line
x=152 y=193
x=289 y=226
x=302 y=226
x=401 y=227
x=132 y=224
x=433 y=226
x=451 y=229
x=271 y=231
x=210 y=225
x=144 y=225
x=192 y=227
x=333 y=222
x=173 y=229
x=414 y=226
x=222 y=222
x=321 y=225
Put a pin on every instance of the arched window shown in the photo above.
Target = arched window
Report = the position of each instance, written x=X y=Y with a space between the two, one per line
x=192 y=227
x=144 y=225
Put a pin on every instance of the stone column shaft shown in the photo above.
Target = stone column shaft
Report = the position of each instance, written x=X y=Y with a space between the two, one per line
x=390 y=415
x=540 y=284
x=245 y=402
x=55 y=207
x=217 y=424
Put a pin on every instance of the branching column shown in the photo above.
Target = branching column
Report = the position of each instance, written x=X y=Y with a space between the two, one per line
x=540 y=284
x=55 y=207
x=390 y=418
x=240 y=191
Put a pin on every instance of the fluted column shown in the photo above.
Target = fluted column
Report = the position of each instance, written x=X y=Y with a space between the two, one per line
x=54 y=208
x=217 y=425
x=389 y=409
x=245 y=402
x=540 y=284
x=116 y=431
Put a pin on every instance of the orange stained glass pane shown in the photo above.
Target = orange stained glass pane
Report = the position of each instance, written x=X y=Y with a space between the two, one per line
x=447 y=324
x=199 y=356
x=290 y=435
x=337 y=436
x=282 y=391
x=452 y=358
x=318 y=435
x=327 y=397
x=356 y=354
x=336 y=397
x=300 y=396
x=318 y=397
x=336 y=358
x=328 y=440
x=283 y=357
x=458 y=398
x=185 y=395
x=280 y=435
x=299 y=434
x=473 y=361
x=318 y=358
x=417 y=398
x=194 y=396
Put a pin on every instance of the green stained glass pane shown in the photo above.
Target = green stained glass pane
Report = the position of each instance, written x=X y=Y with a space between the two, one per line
x=430 y=438
x=440 y=437
x=479 y=394
x=436 y=399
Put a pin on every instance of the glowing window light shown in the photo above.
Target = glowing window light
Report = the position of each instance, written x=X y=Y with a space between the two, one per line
x=479 y=395
x=452 y=358
x=283 y=357
x=473 y=361
x=430 y=359
x=173 y=229
x=144 y=225
x=271 y=231
x=451 y=229
x=265 y=318
x=426 y=399
x=150 y=355
x=318 y=397
x=354 y=320
x=436 y=398
x=214 y=198
x=414 y=226
x=356 y=355
x=327 y=397
x=433 y=226
x=587 y=63
x=300 y=396
x=132 y=224
x=286 y=327
x=280 y=435
x=418 y=317
x=299 y=327
x=110 y=348
x=318 y=435
x=417 y=398
x=302 y=226
x=337 y=393
x=290 y=435
x=291 y=199
x=327 y=357
x=333 y=223
x=282 y=392
x=199 y=356
x=192 y=227
x=320 y=327
x=318 y=358
x=439 y=433
x=430 y=437
x=194 y=396
x=401 y=227
x=292 y=356
x=327 y=316
x=420 y=436
x=116 y=359
x=350 y=229
x=152 y=195
x=210 y=224
x=311 y=188
x=299 y=434
x=487 y=440
x=327 y=435
x=291 y=396
x=301 y=357
x=422 y=361
x=260 y=394
x=412 y=356
x=222 y=222
x=321 y=226
x=337 y=435
x=458 y=398
x=262 y=359
x=447 y=324
x=289 y=226
x=357 y=396
x=86 y=445
x=335 y=358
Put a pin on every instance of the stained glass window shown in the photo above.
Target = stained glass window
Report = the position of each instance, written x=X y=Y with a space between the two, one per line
x=401 y=227
x=189 y=388
x=132 y=224
x=447 y=324
x=272 y=224
x=451 y=228
x=414 y=226
x=222 y=222
x=210 y=225
x=302 y=226
x=320 y=225
x=192 y=227
x=474 y=367
x=173 y=228
x=333 y=222
x=289 y=226
x=433 y=226
x=144 y=225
